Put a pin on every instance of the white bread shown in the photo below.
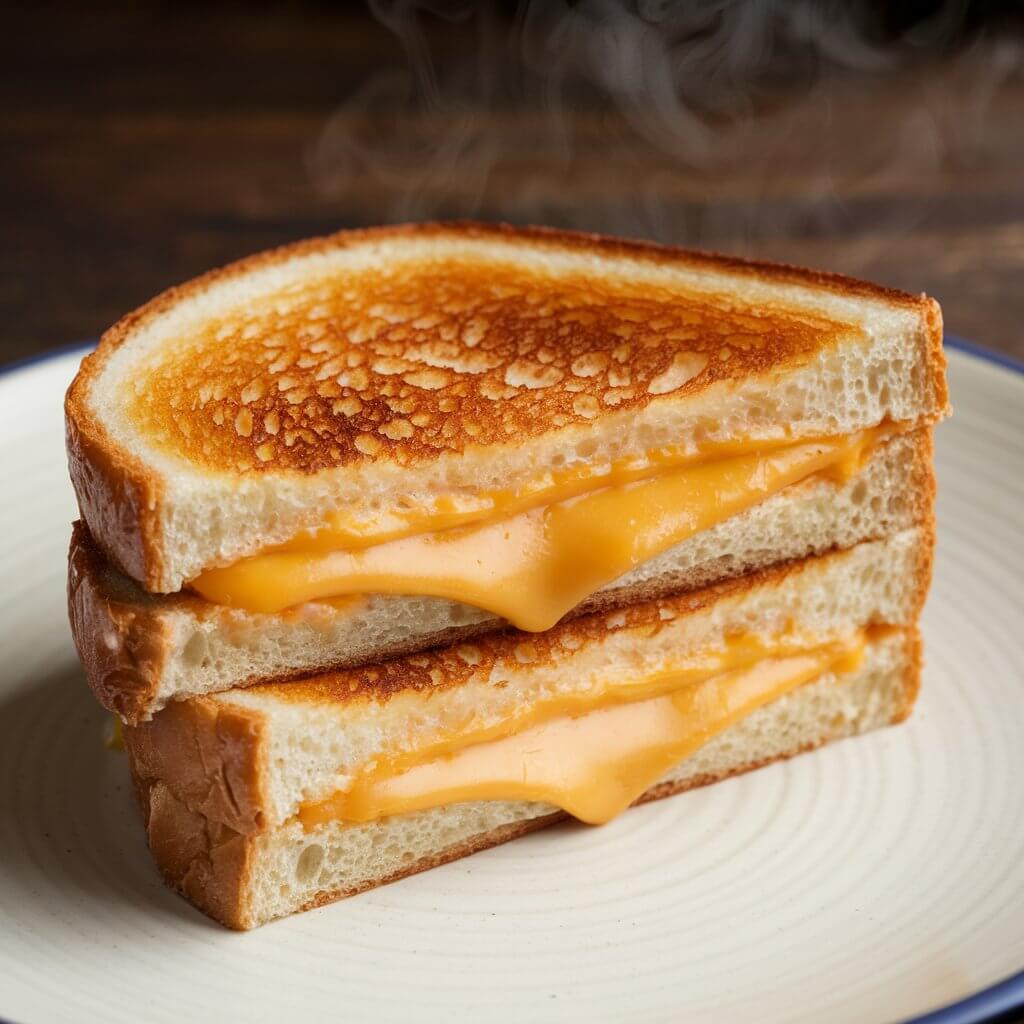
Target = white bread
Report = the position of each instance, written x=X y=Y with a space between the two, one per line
x=244 y=881
x=384 y=369
x=248 y=759
x=140 y=651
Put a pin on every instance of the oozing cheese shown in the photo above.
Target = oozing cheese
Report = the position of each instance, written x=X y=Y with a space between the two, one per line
x=591 y=757
x=534 y=566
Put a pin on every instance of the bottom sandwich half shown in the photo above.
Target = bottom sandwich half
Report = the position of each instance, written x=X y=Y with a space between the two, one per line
x=262 y=802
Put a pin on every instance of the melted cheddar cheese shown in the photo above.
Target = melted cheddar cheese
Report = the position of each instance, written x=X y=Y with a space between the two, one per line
x=590 y=756
x=533 y=566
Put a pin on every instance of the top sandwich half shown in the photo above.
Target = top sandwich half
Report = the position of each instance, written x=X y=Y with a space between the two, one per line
x=379 y=386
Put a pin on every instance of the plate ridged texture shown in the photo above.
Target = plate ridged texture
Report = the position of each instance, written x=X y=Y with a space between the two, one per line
x=872 y=880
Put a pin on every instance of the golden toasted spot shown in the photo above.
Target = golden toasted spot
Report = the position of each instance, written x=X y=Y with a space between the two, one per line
x=252 y=392
x=389 y=366
x=451 y=357
x=243 y=423
x=398 y=430
x=496 y=390
x=265 y=452
x=428 y=320
x=282 y=362
x=524 y=374
x=525 y=653
x=347 y=406
x=666 y=614
x=469 y=654
x=615 y=396
x=401 y=405
x=586 y=406
x=355 y=378
x=421 y=419
x=430 y=380
x=368 y=444
x=620 y=376
x=616 y=620
x=683 y=368
x=473 y=332
x=590 y=364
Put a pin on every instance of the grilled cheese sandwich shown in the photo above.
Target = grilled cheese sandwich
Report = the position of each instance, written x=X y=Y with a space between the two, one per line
x=400 y=543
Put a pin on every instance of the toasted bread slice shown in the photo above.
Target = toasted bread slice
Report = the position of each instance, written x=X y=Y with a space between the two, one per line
x=410 y=367
x=140 y=651
x=249 y=759
x=244 y=879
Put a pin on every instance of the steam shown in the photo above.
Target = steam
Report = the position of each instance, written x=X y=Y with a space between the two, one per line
x=716 y=123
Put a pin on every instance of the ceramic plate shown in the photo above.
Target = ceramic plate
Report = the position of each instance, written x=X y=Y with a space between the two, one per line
x=877 y=879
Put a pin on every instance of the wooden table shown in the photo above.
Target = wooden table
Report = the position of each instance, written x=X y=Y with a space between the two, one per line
x=141 y=147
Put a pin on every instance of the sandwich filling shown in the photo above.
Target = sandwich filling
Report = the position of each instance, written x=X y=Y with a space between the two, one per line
x=531 y=558
x=590 y=754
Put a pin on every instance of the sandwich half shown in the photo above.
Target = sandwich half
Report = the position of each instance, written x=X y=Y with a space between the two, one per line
x=264 y=801
x=355 y=448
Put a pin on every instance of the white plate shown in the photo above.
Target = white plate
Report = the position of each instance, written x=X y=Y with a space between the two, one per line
x=873 y=880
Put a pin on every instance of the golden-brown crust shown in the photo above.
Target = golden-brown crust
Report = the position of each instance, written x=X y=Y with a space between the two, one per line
x=206 y=862
x=212 y=867
x=912 y=677
x=214 y=754
x=120 y=496
x=926 y=522
x=428 y=361
x=122 y=644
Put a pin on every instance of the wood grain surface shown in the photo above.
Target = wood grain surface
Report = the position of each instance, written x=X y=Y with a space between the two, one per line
x=146 y=143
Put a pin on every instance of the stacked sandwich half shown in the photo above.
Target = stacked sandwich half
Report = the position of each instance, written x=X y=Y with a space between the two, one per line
x=401 y=543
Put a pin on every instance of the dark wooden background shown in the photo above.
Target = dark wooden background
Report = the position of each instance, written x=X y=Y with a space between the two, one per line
x=144 y=143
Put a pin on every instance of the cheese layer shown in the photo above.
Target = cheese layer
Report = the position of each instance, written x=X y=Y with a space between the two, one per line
x=534 y=566
x=591 y=756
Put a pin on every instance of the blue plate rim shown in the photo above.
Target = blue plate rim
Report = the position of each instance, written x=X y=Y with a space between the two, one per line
x=988 y=1004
